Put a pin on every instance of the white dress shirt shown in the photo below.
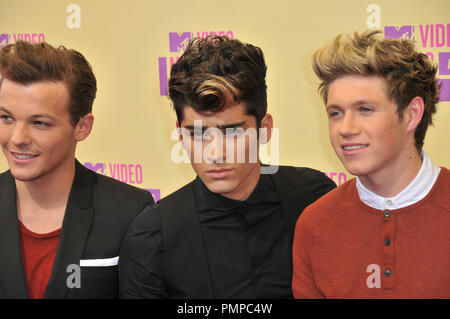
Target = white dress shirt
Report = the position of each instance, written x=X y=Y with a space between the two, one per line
x=414 y=192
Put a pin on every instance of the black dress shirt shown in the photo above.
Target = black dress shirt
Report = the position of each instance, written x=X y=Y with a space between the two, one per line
x=247 y=244
x=198 y=244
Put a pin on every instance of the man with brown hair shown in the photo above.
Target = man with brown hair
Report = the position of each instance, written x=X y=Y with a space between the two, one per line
x=61 y=225
x=227 y=234
x=386 y=233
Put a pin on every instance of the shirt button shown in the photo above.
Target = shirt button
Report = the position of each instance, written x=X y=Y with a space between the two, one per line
x=387 y=214
x=389 y=202
x=387 y=242
x=387 y=273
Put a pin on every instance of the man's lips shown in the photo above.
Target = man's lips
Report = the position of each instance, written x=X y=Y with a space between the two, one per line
x=219 y=173
x=353 y=147
x=23 y=156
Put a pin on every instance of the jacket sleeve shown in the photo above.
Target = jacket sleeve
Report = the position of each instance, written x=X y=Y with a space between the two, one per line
x=303 y=284
x=320 y=184
x=140 y=261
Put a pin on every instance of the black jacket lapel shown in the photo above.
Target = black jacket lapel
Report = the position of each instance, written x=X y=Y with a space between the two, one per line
x=183 y=239
x=12 y=277
x=75 y=231
x=294 y=197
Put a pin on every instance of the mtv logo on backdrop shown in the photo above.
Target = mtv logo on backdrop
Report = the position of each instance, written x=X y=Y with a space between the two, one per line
x=444 y=63
x=97 y=167
x=178 y=41
x=4 y=39
x=403 y=32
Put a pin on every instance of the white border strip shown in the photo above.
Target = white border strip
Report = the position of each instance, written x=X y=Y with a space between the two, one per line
x=104 y=262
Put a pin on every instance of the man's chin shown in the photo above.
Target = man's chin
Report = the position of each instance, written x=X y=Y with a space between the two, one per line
x=356 y=171
x=24 y=177
x=219 y=187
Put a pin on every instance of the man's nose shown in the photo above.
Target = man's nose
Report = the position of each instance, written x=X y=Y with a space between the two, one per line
x=215 y=148
x=20 y=134
x=349 y=125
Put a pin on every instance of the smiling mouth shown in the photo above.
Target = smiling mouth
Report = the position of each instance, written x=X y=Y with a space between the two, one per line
x=23 y=156
x=354 y=147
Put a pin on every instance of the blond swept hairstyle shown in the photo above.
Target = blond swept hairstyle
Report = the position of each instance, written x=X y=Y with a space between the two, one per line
x=407 y=72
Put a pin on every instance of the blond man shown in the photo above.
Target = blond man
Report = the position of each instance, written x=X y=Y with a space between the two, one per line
x=384 y=234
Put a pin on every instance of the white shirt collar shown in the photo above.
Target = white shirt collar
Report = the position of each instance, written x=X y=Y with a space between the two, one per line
x=414 y=192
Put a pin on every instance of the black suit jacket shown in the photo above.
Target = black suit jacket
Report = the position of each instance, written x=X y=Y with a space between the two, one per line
x=184 y=261
x=98 y=212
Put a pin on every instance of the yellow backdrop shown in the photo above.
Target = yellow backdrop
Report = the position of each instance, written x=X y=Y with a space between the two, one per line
x=131 y=45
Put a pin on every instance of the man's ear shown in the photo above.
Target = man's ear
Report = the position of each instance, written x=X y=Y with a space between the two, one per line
x=84 y=127
x=413 y=113
x=265 y=132
x=180 y=136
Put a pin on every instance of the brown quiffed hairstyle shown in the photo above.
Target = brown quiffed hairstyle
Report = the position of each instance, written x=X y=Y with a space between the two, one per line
x=407 y=72
x=215 y=73
x=27 y=63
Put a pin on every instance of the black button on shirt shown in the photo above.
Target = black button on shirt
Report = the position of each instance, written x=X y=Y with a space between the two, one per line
x=247 y=242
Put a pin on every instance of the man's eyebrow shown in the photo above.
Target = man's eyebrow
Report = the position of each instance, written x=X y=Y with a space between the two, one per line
x=332 y=108
x=221 y=127
x=34 y=116
x=192 y=127
x=356 y=103
x=363 y=102
x=4 y=109
x=48 y=116
x=231 y=125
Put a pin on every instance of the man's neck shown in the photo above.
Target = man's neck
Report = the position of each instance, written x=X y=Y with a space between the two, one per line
x=391 y=181
x=41 y=203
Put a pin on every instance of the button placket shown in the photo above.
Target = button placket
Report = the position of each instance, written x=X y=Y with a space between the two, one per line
x=388 y=246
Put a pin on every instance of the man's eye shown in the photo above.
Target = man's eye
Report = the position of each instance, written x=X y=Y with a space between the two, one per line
x=234 y=132
x=334 y=113
x=6 y=118
x=40 y=124
x=366 y=109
